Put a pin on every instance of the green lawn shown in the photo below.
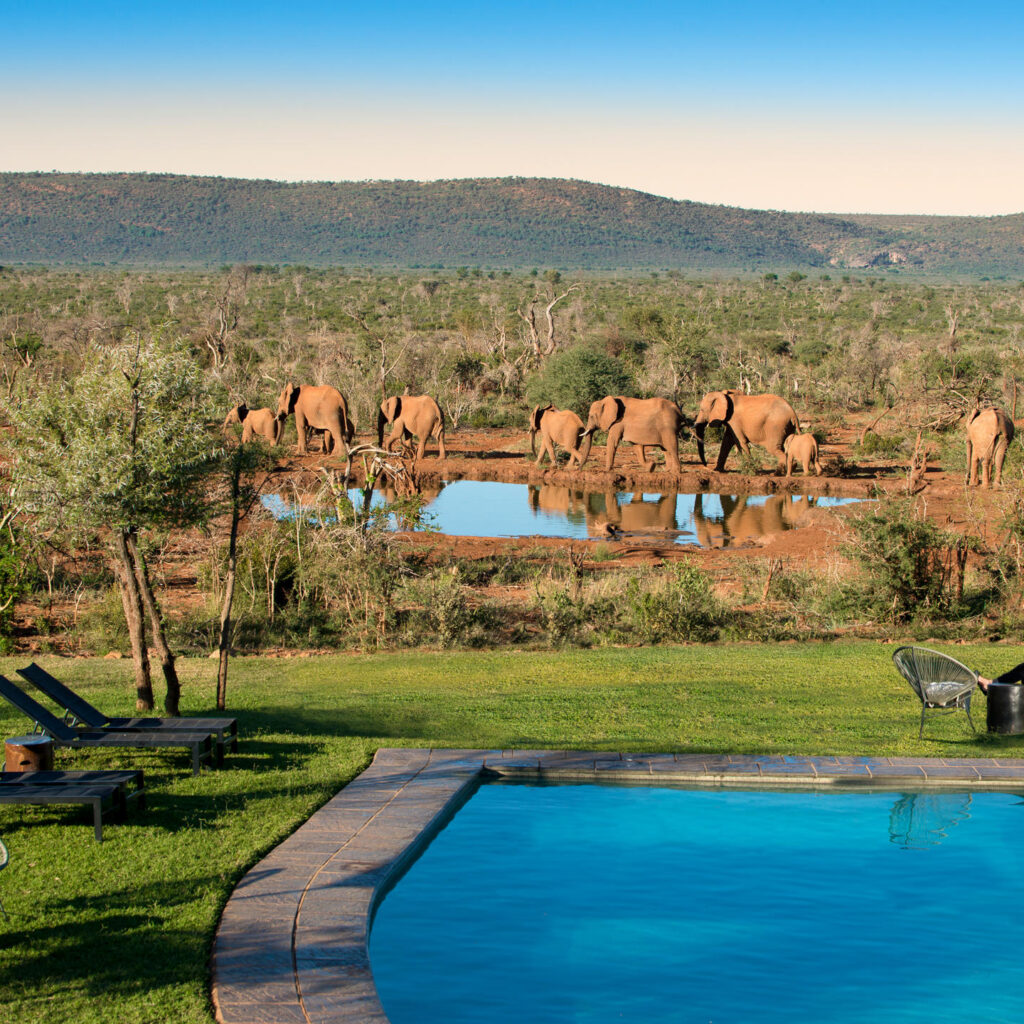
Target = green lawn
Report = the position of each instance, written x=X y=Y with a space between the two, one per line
x=121 y=931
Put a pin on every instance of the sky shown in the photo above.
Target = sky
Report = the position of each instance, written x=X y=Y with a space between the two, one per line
x=868 y=107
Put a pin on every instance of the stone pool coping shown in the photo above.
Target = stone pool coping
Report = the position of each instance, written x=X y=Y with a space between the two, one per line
x=291 y=946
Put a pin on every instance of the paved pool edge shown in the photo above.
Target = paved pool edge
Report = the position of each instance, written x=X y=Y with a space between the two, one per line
x=291 y=945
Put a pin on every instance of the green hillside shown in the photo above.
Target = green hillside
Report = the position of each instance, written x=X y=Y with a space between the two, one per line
x=163 y=218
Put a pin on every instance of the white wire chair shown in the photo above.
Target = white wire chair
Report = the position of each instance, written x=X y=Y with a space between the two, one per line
x=942 y=683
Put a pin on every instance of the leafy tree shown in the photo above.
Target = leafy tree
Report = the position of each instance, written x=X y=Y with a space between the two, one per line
x=119 y=451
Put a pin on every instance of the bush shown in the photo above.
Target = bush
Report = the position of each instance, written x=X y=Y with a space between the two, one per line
x=911 y=564
x=884 y=446
x=679 y=606
x=576 y=378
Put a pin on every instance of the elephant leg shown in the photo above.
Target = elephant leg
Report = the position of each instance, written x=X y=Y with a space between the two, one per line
x=548 y=448
x=728 y=441
x=421 y=448
x=641 y=457
x=671 y=449
x=300 y=430
x=1000 y=457
x=972 y=476
x=614 y=436
x=789 y=465
x=441 y=451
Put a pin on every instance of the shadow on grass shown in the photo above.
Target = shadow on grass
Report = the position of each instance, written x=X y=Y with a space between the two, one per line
x=106 y=947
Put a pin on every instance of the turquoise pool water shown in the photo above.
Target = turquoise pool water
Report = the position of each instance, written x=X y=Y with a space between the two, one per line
x=595 y=904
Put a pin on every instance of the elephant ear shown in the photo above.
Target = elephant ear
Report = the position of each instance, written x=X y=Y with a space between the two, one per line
x=390 y=408
x=612 y=410
x=786 y=443
x=721 y=407
x=538 y=414
x=973 y=415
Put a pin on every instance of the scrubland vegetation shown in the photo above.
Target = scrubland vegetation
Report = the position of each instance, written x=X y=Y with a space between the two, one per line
x=906 y=360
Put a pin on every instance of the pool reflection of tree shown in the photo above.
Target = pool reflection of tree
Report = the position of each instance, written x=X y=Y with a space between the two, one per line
x=920 y=820
x=742 y=517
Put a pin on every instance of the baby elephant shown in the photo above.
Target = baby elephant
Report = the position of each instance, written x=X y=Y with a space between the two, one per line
x=802 y=448
x=255 y=421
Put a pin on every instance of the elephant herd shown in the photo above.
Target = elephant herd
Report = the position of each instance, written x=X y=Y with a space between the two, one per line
x=647 y=423
x=322 y=409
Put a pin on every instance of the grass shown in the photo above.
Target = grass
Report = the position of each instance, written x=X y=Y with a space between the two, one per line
x=121 y=931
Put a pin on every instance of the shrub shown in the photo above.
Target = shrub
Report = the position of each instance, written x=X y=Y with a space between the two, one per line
x=680 y=605
x=576 y=378
x=911 y=564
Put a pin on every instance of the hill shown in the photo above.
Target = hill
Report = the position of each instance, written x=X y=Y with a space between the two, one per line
x=496 y=222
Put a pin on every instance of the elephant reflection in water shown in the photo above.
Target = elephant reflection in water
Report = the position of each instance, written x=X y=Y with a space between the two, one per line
x=606 y=514
x=746 y=519
x=426 y=492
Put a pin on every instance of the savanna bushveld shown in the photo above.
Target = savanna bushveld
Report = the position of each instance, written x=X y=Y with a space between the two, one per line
x=133 y=524
x=882 y=373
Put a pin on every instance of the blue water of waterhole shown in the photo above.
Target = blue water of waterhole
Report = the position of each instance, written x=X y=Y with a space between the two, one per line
x=588 y=904
x=482 y=508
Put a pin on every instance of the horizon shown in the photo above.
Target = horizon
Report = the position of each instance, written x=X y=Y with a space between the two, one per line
x=905 y=111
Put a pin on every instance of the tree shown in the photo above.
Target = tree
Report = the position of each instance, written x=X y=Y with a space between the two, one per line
x=121 y=450
x=241 y=466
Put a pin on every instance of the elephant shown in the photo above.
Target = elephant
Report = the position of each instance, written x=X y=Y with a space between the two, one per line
x=319 y=406
x=255 y=421
x=644 y=422
x=765 y=420
x=411 y=416
x=802 y=448
x=556 y=426
x=745 y=519
x=989 y=433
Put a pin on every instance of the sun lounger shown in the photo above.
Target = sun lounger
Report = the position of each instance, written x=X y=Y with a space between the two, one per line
x=64 y=735
x=102 y=790
x=80 y=711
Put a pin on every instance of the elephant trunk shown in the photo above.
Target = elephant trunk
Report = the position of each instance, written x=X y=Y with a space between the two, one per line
x=698 y=430
x=585 y=443
x=381 y=420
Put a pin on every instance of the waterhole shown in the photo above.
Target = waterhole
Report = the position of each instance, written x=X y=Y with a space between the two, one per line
x=482 y=508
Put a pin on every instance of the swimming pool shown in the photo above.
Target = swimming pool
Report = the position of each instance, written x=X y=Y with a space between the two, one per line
x=592 y=903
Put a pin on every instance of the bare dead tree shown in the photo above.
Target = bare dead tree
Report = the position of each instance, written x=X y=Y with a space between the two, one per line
x=550 y=317
x=378 y=338
x=529 y=317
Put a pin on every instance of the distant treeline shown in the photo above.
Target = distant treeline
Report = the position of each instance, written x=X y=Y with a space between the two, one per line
x=152 y=219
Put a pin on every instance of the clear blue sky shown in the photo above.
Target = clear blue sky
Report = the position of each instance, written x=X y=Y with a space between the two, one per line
x=899 y=106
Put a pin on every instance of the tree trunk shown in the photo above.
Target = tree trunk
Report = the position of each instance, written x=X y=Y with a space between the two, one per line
x=173 y=695
x=227 y=627
x=134 y=616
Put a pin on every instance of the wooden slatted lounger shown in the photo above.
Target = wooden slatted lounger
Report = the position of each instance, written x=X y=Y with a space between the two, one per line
x=81 y=711
x=199 y=743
